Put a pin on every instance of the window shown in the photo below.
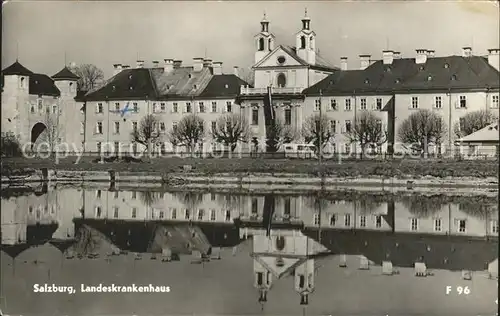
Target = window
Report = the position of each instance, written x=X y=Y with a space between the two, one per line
x=317 y=104
x=134 y=126
x=98 y=211
x=202 y=107
x=116 y=195
x=333 y=105
x=162 y=214
x=214 y=126
x=117 y=147
x=378 y=221
x=255 y=116
x=347 y=148
x=437 y=224
x=288 y=116
x=115 y=212
x=22 y=82
x=363 y=104
x=134 y=212
x=134 y=195
x=99 y=147
x=229 y=106
x=347 y=126
x=174 y=213
x=188 y=107
x=261 y=44
x=117 y=107
x=362 y=221
x=347 y=220
x=414 y=224
x=281 y=80
x=162 y=127
x=187 y=214
x=54 y=109
x=333 y=126
x=98 y=110
x=201 y=213
x=155 y=110
x=214 y=107
x=136 y=107
x=463 y=102
x=99 y=128
x=163 y=108
x=175 y=107
x=333 y=220
x=461 y=225
x=254 y=206
x=98 y=194
x=494 y=226
x=439 y=103
x=174 y=126
x=117 y=128
x=212 y=215
x=316 y=219
x=47 y=109
x=494 y=101
x=379 y=104
x=32 y=109
x=347 y=104
x=202 y=126
x=414 y=102
x=228 y=216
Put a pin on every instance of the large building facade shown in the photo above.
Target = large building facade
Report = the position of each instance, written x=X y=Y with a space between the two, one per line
x=297 y=78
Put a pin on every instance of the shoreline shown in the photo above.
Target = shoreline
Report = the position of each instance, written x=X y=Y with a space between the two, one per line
x=246 y=179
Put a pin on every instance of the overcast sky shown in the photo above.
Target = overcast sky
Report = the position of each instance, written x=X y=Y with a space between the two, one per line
x=103 y=33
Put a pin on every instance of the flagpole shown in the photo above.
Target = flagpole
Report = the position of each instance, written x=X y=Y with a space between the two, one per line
x=320 y=128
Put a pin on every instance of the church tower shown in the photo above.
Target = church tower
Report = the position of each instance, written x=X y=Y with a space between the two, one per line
x=264 y=41
x=306 y=41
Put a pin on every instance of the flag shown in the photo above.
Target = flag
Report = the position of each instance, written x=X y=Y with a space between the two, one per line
x=125 y=109
x=268 y=107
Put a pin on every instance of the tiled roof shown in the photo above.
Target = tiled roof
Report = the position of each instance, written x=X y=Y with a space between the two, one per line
x=43 y=85
x=16 y=69
x=223 y=86
x=65 y=73
x=180 y=83
x=404 y=75
x=129 y=84
x=486 y=134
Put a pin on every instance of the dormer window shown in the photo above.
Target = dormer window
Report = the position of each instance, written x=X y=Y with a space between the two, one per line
x=454 y=77
x=388 y=69
x=114 y=88
x=130 y=88
x=367 y=81
x=429 y=78
x=398 y=81
x=195 y=86
x=421 y=68
x=446 y=65
x=226 y=86
x=130 y=76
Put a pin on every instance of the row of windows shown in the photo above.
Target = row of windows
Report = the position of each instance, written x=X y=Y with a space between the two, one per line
x=461 y=225
x=162 y=127
x=460 y=104
x=173 y=214
x=39 y=108
x=162 y=107
x=333 y=106
x=161 y=195
x=334 y=220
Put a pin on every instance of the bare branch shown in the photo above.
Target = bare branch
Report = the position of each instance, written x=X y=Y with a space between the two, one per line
x=231 y=129
x=189 y=132
x=90 y=76
x=367 y=130
x=314 y=127
x=278 y=134
x=147 y=133
x=473 y=121
x=422 y=128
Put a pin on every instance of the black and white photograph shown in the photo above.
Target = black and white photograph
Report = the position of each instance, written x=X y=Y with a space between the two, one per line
x=279 y=158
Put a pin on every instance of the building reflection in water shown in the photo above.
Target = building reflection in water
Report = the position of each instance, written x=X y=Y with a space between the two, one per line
x=290 y=234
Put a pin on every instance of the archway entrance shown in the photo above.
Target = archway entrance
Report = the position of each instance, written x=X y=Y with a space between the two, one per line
x=36 y=131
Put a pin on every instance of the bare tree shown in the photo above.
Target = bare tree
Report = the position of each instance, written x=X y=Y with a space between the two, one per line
x=473 y=121
x=147 y=133
x=52 y=133
x=367 y=130
x=278 y=134
x=90 y=76
x=189 y=132
x=316 y=129
x=231 y=129
x=247 y=74
x=422 y=128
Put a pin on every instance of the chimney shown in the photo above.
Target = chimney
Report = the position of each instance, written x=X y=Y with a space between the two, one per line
x=494 y=57
x=197 y=64
x=343 y=63
x=397 y=55
x=155 y=63
x=236 y=71
x=364 y=61
x=140 y=64
x=118 y=68
x=217 y=67
x=125 y=67
x=388 y=57
x=168 y=66
x=467 y=51
x=177 y=64
x=431 y=53
x=207 y=63
x=421 y=56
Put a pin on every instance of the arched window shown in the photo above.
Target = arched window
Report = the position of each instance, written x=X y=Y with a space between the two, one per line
x=281 y=80
x=261 y=44
x=22 y=82
x=71 y=87
x=311 y=42
x=302 y=42
x=270 y=44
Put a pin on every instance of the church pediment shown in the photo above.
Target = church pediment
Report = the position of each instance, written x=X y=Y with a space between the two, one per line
x=279 y=57
x=279 y=267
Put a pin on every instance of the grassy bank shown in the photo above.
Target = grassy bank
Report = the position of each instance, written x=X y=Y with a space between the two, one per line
x=347 y=168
